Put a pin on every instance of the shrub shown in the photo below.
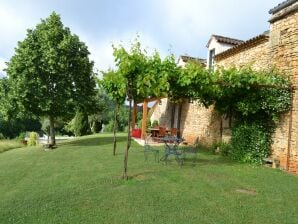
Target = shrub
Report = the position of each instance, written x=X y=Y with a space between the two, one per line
x=33 y=138
x=225 y=149
x=148 y=124
x=154 y=123
x=109 y=127
x=80 y=124
x=13 y=127
x=21 y=136
x=250 y=143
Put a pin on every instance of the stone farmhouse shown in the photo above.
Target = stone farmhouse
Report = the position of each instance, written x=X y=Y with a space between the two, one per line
x=278 y=48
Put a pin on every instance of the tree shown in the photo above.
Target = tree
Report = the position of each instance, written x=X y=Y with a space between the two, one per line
x=138 y=76
x=4 y=89
x=97 y=118
x=115 y=85
x=9 y=107
x=51 y=74
x=13 y=123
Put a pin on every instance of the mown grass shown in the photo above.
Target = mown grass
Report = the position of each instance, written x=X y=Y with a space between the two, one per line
x=6 y=145
x=79 y=182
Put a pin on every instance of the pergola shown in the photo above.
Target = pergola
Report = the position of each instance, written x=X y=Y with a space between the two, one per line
x=145 y=113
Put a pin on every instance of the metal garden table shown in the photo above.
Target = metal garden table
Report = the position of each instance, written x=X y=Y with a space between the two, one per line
x=172 y=148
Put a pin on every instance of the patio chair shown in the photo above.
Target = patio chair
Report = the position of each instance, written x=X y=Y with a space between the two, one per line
x=162 y=132
x=174 y=132
x=172 y=149
x=189 y=152
x=150 y=150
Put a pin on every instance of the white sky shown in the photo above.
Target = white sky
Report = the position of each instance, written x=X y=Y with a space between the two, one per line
x=181 y=26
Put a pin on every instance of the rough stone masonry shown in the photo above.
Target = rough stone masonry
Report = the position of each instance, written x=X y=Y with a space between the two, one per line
x=279 y=49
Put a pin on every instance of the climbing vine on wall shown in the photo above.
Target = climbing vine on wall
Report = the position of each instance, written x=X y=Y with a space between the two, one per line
x=254 y=99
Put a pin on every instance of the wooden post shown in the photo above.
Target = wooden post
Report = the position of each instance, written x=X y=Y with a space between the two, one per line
x=179 y=119
x=134 y=115
x=173 y=114
x=144 y=120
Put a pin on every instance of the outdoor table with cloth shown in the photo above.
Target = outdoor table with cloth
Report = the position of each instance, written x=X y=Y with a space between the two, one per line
x=155 y=131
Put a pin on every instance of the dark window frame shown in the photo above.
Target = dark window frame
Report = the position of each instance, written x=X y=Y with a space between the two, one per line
x=211 y=58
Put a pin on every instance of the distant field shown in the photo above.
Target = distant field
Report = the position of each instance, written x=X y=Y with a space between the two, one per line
x=79 y=182
x=6 y=145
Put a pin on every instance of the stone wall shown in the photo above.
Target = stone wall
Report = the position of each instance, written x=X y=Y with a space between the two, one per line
x=200 y=124
x=197 y=123
x=257 y=56
x=284 y=55
x=280 y=51
x=162 y=114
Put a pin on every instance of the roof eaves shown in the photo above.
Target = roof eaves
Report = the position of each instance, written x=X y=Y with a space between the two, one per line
x=223 y=39
x=186 y=58
x=282 y=6
x=284 y=13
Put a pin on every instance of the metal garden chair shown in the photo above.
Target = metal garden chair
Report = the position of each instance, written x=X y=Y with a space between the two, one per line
x=150 y=150
x=171 y=148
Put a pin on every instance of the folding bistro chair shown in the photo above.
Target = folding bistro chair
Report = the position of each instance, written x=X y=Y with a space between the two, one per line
x=150 y=150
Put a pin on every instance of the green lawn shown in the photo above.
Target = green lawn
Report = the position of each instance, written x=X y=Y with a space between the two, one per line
x=79 y=183
x=6 y=145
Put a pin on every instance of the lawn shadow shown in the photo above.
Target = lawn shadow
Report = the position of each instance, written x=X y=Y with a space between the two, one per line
x=211 y=160
x=93 y=141
x=203 y=157
x=206 y=162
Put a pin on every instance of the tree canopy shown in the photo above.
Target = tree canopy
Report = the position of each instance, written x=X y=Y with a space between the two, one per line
x=138 y=75
x=247 y=95
x=50 y=73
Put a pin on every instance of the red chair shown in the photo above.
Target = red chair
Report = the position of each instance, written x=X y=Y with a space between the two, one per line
x=136 y=133
x=174 y=132
x=162 y=132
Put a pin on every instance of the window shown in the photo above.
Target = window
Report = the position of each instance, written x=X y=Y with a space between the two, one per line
x=211 y=58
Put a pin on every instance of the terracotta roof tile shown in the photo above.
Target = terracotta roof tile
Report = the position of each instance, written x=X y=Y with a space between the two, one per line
x=186 y=58
x=226 y=40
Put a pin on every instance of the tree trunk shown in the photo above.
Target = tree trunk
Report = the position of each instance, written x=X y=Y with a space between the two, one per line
x=115 y=127
x=91 y=126
x=134 y=114
x=52 y=132
x=125 y=177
